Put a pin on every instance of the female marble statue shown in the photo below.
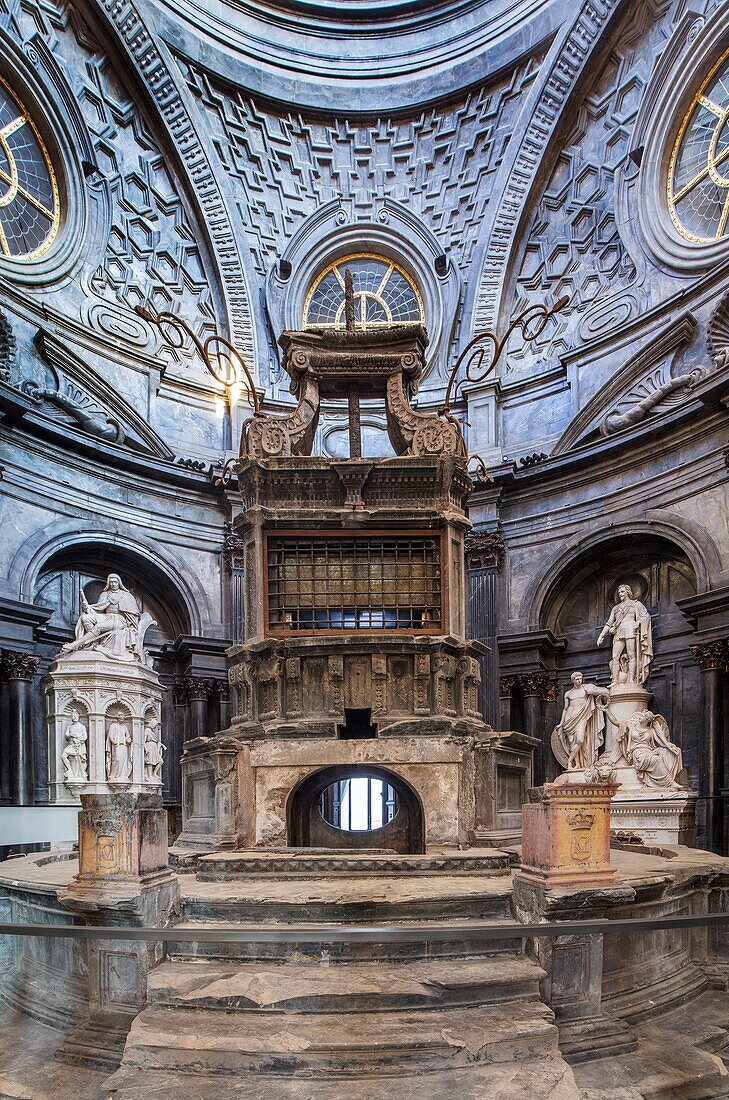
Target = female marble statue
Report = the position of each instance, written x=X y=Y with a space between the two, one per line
x=74 y=754
x=577 y=739
x=647 y=746
x=630 y=626
x=153 y=753
x=111 y=625
x=118 y=752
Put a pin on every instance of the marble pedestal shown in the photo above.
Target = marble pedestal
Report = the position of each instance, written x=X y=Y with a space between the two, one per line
x=656 y=816
x=101 y=691
x=566 y=835
x=625 y=699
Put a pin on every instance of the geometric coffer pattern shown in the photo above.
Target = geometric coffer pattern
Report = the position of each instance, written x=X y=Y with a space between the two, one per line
x=573 y=246
x=285 y=166
x=151 y=255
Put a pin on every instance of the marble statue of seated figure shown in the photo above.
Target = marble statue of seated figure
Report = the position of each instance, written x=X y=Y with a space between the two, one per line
x=646 y=744
x=113 y=625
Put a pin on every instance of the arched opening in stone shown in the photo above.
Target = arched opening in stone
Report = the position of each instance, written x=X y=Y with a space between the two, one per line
x=356 y=807
x=578 y=604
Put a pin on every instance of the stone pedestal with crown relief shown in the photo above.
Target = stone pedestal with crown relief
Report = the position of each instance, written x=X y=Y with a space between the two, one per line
x=566 y=834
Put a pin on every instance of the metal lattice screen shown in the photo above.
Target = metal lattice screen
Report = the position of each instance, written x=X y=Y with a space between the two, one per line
x=334 y=583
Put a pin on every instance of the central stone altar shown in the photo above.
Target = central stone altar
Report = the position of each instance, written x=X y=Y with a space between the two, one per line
x=355 y=664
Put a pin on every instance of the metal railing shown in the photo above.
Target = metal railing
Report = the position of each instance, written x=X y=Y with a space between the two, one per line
x=316 y=933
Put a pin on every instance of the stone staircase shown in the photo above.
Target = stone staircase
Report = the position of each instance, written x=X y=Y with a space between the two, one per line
x=321 y=1012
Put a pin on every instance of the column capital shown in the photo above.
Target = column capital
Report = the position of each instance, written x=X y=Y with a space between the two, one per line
x=15 y=665
x=198 y=687
x=507 y=685
x=712 y=654
x=539 y=683
x=233 y=547
x=484 y=549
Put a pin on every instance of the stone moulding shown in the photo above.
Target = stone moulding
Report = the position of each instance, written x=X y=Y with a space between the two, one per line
x=293 y=686
x=161 y=81
x=306 y=488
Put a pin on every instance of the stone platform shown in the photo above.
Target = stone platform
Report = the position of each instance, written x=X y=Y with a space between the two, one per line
x=423 y=1009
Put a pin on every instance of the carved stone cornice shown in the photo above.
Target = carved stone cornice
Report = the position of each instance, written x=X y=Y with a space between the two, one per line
x=712 y=655
x=15 y=665
x=484 y=550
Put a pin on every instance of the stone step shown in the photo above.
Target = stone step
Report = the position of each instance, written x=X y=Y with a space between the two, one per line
x=547 y=1078
x=338 y=1045
x=346 y=987
x=403 y=942
x=369 y=899
x=307 y=862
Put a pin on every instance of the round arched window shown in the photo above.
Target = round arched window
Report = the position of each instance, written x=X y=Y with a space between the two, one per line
x=698 y=179
x=29 y=203
x=384 y=295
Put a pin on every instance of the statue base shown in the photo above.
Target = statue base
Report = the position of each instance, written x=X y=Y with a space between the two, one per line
x=657 y=817
x=625 y=699
x=101 y=691
x=123 y=859
x=566 y=835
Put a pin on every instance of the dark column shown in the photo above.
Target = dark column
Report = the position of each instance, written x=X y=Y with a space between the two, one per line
x=711 y=657
x=199 y=689
x=506 y=699
x=18 y=670
x=222 y=695
x=537 y=687
x=484 y=554
x=233 y=559
x=552 y=767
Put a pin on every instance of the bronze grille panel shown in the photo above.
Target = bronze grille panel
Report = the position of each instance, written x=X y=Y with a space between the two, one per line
x=373 y=583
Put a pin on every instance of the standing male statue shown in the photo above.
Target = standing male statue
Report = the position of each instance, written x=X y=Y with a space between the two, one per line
x=577 y=739
x=630 y=626
x=74 y=755
x=118 y=752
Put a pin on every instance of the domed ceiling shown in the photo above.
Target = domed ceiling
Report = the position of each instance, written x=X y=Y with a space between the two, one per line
x=370 y=53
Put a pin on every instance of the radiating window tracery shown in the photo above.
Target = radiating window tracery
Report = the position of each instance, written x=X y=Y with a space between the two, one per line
x=29 y=202
x=698 y=181
x=384 y=295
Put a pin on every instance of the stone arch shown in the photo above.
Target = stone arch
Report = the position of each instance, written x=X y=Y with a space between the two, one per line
x=664 y=565
x=306 y=827
x=691 y=539
x=61 y=541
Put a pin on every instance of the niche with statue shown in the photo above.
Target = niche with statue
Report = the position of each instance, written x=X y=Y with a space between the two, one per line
x=104 y=703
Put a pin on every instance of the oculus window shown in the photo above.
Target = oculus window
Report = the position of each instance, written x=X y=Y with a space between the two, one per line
x=384 y=295
x=698 y=179
x=29 y=203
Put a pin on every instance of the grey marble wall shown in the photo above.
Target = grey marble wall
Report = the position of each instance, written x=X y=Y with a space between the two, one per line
x=507 y=156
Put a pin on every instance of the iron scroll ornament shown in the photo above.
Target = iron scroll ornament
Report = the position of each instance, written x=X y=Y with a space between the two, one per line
x=531 y=321
x=221 y=358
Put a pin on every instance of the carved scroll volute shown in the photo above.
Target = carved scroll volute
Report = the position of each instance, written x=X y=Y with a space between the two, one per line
x=282 y=436
x=412 y=433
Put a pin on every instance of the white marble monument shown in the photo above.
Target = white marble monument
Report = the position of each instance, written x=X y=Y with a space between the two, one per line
x=103 y=695
x=652 y=801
